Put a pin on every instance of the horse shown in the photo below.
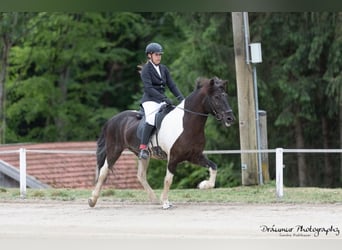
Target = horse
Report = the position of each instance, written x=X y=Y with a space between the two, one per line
x=181 y=137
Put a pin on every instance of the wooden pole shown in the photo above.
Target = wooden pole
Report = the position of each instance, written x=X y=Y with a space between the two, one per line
x=264 y=145
x=246 y=102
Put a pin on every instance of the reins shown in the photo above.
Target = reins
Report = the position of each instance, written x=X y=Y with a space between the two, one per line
x=213 y=110
x=192 y=112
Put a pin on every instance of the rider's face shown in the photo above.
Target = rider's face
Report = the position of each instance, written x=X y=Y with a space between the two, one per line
x=155 y=58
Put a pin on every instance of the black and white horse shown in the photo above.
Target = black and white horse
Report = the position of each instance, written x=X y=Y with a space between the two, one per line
x=180 y=137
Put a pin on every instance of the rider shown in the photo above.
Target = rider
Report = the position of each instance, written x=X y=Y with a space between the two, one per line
x=155 y=77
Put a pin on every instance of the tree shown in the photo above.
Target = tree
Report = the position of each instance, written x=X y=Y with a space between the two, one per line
x=297 y=46
x=74 y=74
x=65 y=74
x=12 y=28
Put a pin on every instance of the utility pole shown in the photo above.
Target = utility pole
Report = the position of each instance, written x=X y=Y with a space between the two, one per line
x=246 y=100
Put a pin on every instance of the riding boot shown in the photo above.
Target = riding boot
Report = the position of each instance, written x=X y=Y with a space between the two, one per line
x=145 y=140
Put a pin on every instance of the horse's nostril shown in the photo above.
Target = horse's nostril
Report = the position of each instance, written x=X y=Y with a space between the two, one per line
x=230 y=119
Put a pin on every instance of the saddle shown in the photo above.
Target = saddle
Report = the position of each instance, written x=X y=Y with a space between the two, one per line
x=163 y=111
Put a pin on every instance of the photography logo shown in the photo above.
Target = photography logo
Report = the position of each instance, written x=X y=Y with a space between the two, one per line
x=301 y=231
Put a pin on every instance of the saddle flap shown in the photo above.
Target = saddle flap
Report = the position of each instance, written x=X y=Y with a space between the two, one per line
x=163 y=111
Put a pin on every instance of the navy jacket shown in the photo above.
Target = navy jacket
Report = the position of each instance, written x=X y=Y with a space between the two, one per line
x=154 y=85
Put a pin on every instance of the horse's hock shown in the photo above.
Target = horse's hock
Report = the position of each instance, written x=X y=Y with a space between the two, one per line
x=71 y=170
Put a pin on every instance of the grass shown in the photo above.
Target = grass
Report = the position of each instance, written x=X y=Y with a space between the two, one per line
x=253 y=194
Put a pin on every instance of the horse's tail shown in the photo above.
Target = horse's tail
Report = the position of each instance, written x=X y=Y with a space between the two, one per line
x=100 y=153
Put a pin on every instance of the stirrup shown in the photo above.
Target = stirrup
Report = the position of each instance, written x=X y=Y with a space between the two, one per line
x=144 y=154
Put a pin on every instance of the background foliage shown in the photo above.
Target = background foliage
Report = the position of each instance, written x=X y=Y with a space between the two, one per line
x=62 y=75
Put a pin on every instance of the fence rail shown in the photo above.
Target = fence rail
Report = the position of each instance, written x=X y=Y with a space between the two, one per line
x=279 y=152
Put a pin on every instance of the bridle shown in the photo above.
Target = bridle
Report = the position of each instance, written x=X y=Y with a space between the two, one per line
x=217 y=115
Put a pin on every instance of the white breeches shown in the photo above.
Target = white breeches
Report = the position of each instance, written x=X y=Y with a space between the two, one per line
x=151 y=108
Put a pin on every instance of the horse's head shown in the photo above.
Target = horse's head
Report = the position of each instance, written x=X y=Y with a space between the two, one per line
x=216 y=99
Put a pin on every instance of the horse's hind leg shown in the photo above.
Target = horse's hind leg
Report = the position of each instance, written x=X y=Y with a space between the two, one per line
x=102 y=176
x=142 y=170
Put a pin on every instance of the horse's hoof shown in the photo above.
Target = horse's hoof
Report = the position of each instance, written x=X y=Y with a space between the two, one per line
x=205 y=185
x=167 y=205
x=91 y=203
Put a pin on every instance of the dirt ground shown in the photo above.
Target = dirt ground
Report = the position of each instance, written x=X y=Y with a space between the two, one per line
x=108 y=220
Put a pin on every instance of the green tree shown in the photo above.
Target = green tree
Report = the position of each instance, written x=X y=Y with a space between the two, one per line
x=69 y=75
x=12 y=28
x=65 y=74
x=297 y=46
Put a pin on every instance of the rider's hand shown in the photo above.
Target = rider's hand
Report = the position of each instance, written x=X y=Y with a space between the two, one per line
x=180 y=98
x=168 y=101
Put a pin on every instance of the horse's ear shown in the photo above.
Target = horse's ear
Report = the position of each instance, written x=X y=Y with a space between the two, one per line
x=225 y=84
x=212 y=82
x=219 y=81
x=199 y=82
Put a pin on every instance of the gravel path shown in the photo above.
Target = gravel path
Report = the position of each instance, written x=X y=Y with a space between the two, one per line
x=108 y=220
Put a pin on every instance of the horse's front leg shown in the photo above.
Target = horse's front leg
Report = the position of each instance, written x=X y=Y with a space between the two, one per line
x=210 y=183
x=165 y=194
x=142 y=170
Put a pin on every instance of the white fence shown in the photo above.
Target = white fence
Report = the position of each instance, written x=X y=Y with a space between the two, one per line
x=22 y=162
x=278 y=153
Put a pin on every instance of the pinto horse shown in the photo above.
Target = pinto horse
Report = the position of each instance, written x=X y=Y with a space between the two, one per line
x=180 y=136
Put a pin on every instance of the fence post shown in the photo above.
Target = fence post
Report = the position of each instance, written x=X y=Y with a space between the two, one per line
x=22 y=163
x=279 y=172
x=264 y=145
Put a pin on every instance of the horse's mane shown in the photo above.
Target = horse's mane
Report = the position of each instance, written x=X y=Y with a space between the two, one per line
x=201 y=81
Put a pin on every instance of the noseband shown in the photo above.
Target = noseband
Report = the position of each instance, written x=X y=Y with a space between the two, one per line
x=217 y=115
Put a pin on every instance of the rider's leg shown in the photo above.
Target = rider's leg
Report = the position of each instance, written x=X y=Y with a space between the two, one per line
x=151 y=108
x=144 y=141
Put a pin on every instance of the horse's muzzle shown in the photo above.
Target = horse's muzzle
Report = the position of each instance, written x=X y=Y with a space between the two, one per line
x=228 y=118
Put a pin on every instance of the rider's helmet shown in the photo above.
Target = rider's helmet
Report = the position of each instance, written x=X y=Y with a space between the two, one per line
x=154 y=48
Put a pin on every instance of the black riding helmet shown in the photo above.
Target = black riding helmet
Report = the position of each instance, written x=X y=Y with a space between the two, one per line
x=154 y=48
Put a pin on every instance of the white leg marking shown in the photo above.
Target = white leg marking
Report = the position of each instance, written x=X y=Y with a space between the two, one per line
x=142 y=170
x=102 y=177
x=207 y=184
x=167 y=184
